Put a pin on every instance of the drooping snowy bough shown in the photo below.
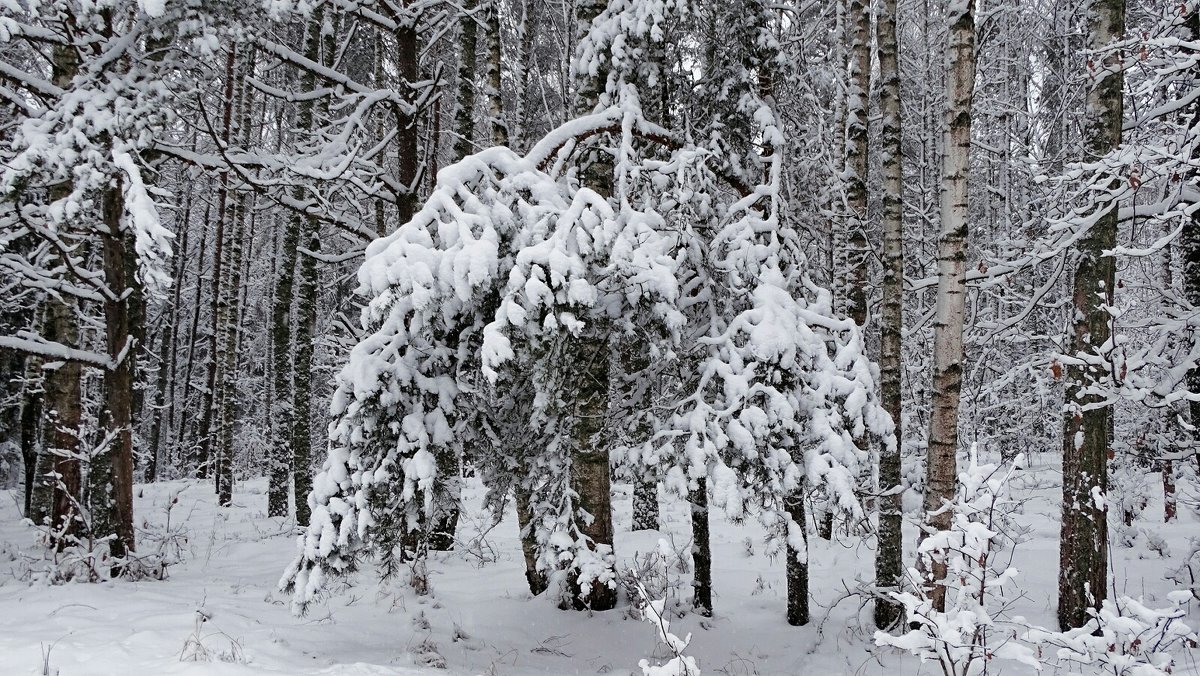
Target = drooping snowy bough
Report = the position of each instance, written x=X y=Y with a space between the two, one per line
x=476 y=310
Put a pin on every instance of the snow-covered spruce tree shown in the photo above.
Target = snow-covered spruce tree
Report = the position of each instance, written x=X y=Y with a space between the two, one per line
x=477 y=305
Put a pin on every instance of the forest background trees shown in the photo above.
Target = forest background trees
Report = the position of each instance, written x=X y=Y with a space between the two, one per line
x=782 y=260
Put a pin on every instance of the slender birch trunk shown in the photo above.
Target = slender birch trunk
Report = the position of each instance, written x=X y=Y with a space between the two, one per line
x=949 y=313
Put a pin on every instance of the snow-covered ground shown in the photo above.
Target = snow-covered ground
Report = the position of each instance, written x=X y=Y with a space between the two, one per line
x=480 y=618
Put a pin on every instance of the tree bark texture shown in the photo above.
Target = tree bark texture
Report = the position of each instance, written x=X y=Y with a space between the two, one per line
x=1087 y=424
x=889 y=557
x=949 y=313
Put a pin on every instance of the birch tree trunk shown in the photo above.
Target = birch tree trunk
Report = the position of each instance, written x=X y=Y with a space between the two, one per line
x=1087 y=424
x=858 y=88
x=949 y=313
x=499 y=130
x=889 y=565
x=464 y=119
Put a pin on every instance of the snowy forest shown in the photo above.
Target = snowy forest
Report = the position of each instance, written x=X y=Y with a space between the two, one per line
x=647 y=337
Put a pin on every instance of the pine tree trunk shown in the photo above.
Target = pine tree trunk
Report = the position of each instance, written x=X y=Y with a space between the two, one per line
x=949 y=314
x=284 y=465
x=797 y=560
x=1083 y=546
x=889 y=557
x=31 y=441
x=116 y=517
x=231 y=308
x=306 y=321
x=701 y=550
x=219 y=308
x=62 y=407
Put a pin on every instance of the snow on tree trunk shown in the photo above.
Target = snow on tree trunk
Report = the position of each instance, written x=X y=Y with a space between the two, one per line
x=1087 y=424
x=949 y=314
x=114 y=515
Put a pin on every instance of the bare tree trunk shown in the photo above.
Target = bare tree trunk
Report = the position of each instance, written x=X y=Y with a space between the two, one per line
x=168 y=348
x=210 y=437
x=230 y=315
x=701 y=550
x=464 y=119
x=499 y=130
x=283 y=466
x=117 y=417
x=193 y=339
x=1087 y=425
x=858 y=88
x=31 y=440
x=949 y=313
x=797 y=560
x=889 y=557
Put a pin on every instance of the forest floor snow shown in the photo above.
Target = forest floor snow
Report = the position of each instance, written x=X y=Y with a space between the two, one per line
x=480 y=617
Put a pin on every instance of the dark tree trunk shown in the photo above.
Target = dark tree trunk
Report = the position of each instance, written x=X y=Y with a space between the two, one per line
x=117 y=417
x=797 y=561
x=889 y=566
x=535 y=577
x=31 y=440
x=701 y=550
x=1087 y=427
x=283 y=465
